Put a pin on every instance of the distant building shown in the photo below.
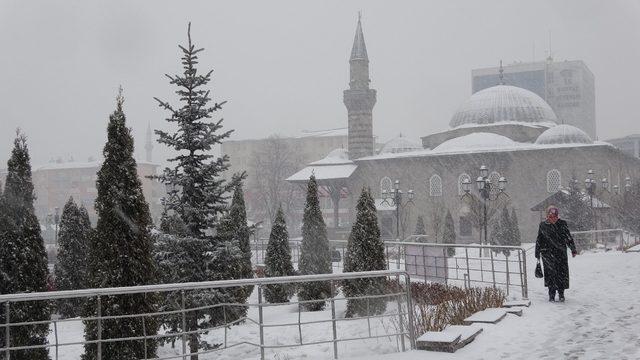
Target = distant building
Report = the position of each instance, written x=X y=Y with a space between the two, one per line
x=55 y=182
x=567 y=86
x=628 y=144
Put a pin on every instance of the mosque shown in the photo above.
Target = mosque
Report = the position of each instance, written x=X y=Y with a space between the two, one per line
x=512 y=133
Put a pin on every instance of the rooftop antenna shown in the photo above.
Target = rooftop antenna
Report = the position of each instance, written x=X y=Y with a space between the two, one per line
x=501 y=75
x=550 y=57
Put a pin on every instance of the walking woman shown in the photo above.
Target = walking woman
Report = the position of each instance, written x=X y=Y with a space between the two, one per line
x=552 y=242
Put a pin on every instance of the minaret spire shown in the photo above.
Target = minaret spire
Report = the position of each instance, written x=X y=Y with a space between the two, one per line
x=148 y=146
x=359 y=98
x=501 y=71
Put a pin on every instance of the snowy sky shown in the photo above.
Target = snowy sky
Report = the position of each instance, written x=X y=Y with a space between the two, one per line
x=282 y=65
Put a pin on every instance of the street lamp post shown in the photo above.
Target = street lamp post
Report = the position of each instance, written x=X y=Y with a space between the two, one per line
x=394 y=198
x=485 y=186
x=590 y=185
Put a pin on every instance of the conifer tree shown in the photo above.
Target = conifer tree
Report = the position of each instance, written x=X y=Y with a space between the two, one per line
x=449 y=233
x=238 y=231
x=315 y=253
x=198 y=193
x=278 y=260
x=198 y=198
x=365 y=252
x=23 y=260
x=120 y=248
x=71 y=268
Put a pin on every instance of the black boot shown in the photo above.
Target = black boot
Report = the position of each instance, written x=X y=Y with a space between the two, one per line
x=552 y=294
x=561 y=295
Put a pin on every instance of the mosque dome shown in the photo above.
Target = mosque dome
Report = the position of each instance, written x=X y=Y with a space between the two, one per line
x=477 y=141
x=400 y=144
x=503 y=104
x=564 y=134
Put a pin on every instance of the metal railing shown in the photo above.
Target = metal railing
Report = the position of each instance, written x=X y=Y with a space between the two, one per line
x=454 y=264
x=619 y=237
x=400 y=294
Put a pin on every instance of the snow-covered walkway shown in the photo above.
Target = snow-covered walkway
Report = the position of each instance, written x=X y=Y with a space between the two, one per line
x=599 y=320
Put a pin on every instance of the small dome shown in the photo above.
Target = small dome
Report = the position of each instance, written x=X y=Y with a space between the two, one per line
x=502 y=103
x=400 y=144
x=563 y=134
x=476 y=141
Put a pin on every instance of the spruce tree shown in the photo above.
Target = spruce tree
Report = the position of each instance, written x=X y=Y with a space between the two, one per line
x=315 y=253
x=71 y=269
x=449 y=233
x=233 y=238
x=120 y=249
x=198 y=196
x=278 y=260
x=365 y=252
x=23 y=259
x=198 y=193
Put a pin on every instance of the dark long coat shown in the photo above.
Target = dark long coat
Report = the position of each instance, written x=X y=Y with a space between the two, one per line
x=551 y=244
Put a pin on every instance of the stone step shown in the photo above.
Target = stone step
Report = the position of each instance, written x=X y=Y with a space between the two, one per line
x=525 y=303
x=451 y=339
x=487 y=316
x=513 y=310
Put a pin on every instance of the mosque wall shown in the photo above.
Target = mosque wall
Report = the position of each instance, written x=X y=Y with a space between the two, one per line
x=526 y=171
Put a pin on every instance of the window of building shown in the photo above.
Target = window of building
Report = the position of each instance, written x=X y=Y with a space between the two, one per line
x=554 y=180
x=435 y=185
x=463 y=177
x=386 y=185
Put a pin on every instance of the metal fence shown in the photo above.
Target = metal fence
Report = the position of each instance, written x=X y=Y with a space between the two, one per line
x=454 y=264
x=397 y=292
x=610 y=239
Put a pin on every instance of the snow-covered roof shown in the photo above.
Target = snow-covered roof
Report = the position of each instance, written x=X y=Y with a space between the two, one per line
x=336 y=156
x=503 y=103
x=324 y=172
x=320 y=133
x=400 y=144
x=476 y=141
x=564 y=134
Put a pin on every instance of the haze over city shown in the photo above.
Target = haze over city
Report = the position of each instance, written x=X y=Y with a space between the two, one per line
x=282 y=65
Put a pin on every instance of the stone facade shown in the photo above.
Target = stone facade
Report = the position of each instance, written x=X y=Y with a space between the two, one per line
x=526 y=171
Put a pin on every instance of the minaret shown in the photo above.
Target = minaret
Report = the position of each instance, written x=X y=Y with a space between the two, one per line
x=359 y=99
x=148 y=146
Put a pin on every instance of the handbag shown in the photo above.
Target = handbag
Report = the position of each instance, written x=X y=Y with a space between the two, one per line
x=539 y=270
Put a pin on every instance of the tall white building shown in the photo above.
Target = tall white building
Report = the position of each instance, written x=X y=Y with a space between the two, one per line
x=567 y=86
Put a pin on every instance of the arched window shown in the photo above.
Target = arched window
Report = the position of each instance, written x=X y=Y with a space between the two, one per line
x=435 y=185
x=554 y=181
x=494 y=177
x=386 y=185
x=463 y=177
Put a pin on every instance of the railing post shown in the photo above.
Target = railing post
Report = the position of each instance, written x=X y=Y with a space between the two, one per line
x=184 y=325
x=333 y=321
x=525 y=289
x=99 y=345
x=55 y=331
x=466 y=255
x=7 y=331
x=144 y=335
x=410 y=313
x=224 y=314
x=400 y=320
x=493 y=270
x=506 y=263
x=261 y=322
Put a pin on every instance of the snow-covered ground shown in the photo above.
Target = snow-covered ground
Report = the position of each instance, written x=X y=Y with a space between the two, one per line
x=599 y=320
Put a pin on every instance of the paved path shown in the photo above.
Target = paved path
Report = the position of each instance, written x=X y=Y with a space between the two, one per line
x=599 y=320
